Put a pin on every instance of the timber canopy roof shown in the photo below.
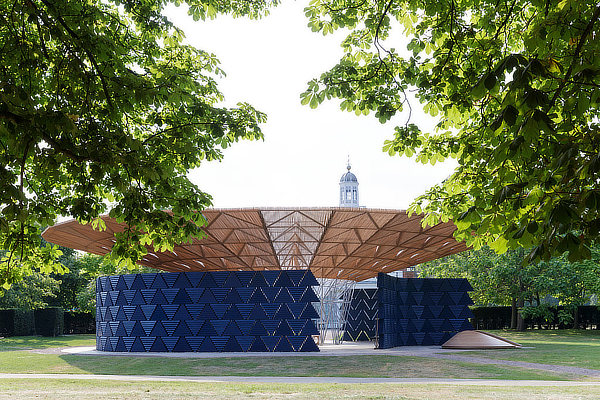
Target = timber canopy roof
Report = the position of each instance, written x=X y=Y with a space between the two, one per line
x=343 y=243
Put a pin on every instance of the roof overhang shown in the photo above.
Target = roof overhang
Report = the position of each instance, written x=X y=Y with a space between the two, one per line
x=342 y=243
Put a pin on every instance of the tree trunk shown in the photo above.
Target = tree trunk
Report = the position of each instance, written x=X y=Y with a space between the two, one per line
x=520 y=321
x=513 y=313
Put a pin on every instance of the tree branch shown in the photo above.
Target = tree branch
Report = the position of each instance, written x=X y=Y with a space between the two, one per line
x=86 y=51
x=582 y=39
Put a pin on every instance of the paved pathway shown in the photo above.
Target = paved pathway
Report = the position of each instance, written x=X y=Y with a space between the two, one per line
x=292 y=379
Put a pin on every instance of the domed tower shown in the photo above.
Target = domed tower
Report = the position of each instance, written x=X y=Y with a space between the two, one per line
x=348 y=189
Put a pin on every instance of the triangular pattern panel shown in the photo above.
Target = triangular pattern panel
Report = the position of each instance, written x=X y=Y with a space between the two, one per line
x=237 y=311
x=418 y=311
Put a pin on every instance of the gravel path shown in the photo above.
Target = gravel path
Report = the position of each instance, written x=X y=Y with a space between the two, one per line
x=293 y=379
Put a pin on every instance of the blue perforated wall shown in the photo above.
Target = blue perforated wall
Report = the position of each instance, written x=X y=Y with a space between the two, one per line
x=421 y=312
x=361 y=323
x=236 y=311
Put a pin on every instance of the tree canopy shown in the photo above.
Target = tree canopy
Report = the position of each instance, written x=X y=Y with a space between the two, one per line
x=504 y=279
x=103 y=104
x=515 y=85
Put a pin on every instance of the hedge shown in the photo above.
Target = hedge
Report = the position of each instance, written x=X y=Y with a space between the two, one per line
x=49 y=321
x=79 y=323
x=17 y=322
x=499 y=318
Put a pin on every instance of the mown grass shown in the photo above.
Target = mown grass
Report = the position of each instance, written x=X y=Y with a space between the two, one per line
x=67 y=388
x=568 y=348
x=30 y=355
x=354 y=366
x=39 y=342
x=575 y=348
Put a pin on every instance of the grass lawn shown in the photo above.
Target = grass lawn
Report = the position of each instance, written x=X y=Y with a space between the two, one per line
x=576 y=348
x=65 y=388
x=28 y=355
x=38 y=342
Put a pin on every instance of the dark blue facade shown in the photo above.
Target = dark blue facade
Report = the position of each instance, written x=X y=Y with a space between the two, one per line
x=421 y=311
x=361 y=323
x=240 y=311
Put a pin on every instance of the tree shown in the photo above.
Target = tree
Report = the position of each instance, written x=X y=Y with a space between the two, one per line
x=516 y=87
x=33 y=291
x=504 y=279
x=497 y=279
x=102 y=103
x=89 y=267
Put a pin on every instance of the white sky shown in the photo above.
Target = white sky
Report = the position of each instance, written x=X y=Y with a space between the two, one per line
x=268 y=63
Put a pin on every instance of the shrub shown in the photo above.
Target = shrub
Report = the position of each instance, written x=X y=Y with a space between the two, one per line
x=49 y=321
x=16 y=322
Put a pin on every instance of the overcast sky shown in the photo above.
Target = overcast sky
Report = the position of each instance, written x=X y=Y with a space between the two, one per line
x=268 y=63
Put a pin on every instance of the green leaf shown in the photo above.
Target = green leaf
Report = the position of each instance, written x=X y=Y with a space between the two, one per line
x=510 y=115
x=490 y=81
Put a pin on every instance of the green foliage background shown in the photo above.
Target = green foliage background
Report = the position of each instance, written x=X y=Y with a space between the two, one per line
x=515 y=86
x=103 y=106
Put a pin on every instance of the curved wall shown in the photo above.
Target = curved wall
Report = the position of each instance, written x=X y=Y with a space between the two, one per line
x=238 y=311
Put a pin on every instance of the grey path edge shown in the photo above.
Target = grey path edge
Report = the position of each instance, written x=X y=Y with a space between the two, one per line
x=297 y=380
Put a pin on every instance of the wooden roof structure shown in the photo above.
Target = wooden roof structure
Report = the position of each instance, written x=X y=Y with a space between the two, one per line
x=343 y=243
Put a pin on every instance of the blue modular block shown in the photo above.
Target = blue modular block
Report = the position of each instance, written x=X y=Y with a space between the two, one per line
x=182 y=282
x=283 y=296
x=220 y=293
x=284 y=280
x=270 y=293
x=182 y=345
x=159 y=283
x=220 y=277
x=283 y=345
x=233 y=281
x=232 y=345
x=258 y=345
x=258 y=280
x=148 y=280
x=308 y=280
x=170 y=279
x=245 y=326
x=245 y=277
x=195 y=278
x=270 y=341
x=233 y=296
x=245 y=342
x=232 y=329
x=271 y=277
x=232 y=313
x=207 y=281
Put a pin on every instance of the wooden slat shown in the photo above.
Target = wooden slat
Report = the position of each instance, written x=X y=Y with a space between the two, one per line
x=343 y=243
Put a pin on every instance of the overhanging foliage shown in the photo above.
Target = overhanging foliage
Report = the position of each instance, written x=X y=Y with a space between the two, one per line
x=516 y=87
x=102 y=102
